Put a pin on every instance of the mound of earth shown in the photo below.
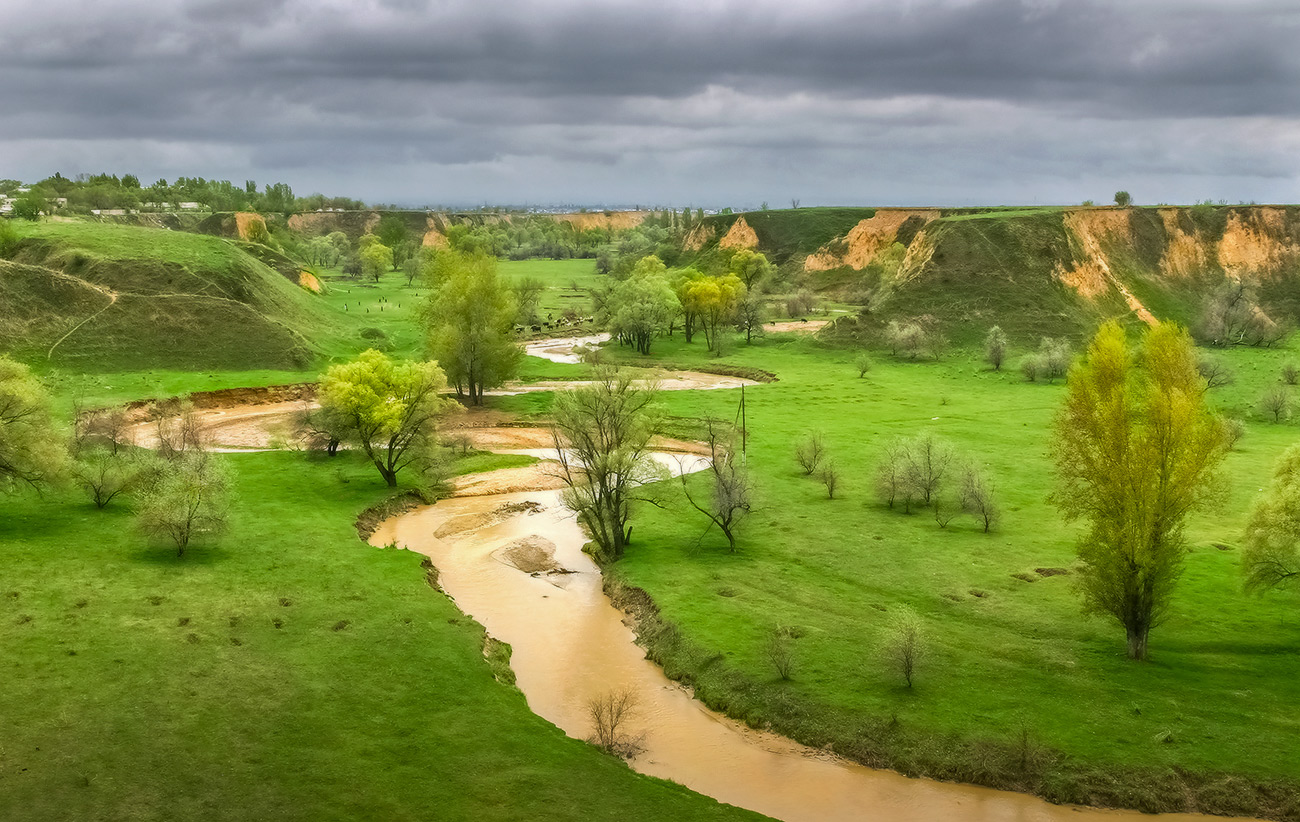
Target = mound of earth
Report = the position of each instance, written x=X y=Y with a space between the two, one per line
x=472 y=522
x=532 y=554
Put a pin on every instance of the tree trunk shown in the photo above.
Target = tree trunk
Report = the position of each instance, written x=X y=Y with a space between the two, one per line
x=389 y=475
x=1137 y=643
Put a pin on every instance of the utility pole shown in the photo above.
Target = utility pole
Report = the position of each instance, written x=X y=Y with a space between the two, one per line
x=744 y=432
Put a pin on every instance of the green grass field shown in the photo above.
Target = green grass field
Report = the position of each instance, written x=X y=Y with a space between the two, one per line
x=566 y=283
x=291 y=673
x=1006 y=653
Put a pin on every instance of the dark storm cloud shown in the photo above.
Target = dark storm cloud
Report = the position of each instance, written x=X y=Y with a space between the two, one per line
x=938 y=100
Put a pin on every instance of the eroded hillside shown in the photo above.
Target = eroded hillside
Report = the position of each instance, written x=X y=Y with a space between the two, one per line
x=1034 y=271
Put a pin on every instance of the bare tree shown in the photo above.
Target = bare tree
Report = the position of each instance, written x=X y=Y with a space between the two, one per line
x=1290 y=373
x=905 y=645
x=103 y=475
x=602 y=432
x=751 y=313
x=779 y=651
x=977 y=498
x=729 y=502
x=944 y=509
x=1276 y=403
x=829 y=476
x=892 y=483
x=110 y=428
x=1233 y=316
x=927 y=464
x=180 y=433
x=810 y=453
x=610 y=715
x=1215 y=373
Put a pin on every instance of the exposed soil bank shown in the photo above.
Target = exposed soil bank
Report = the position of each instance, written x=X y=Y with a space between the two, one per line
x=571 y=645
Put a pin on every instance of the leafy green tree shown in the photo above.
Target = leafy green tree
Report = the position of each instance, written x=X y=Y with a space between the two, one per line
x=1123 y=199
x=375 y=260
x=387 y=409
x=342 y=245
x=470 y=318
x=1271 y=556
x=641 y=307
x=683 y=283
x=190 y=497
x=714 y=300
x=602 y=434
x=392 y=230
x=751 y=267
x=31 y=445
x=1136 y=452
x=30 y=206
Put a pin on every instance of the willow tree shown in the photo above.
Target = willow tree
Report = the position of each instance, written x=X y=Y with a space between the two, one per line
x=471 y=319
x=1136 y=452
x=1271 y=556
x=714 y=301
x=31 y=446
x=641 y=307
x=602 y=432
x=386 y=408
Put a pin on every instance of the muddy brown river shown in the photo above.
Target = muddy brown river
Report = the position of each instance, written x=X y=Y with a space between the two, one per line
x=570 y=646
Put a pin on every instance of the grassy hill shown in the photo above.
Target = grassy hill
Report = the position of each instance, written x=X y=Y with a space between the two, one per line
x=96 y=297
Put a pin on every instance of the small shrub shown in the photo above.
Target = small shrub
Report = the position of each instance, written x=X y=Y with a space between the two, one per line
x=1029 y=367
x=995 y=347
x=780 y=653
x=863 y=364
x=1233 y=431
x=829 y=476
x=977 y=498
x=1290 y=373
x=904 y=646
x=944 y=510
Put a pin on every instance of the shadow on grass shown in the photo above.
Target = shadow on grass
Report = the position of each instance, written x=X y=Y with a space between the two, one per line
x=164 y=554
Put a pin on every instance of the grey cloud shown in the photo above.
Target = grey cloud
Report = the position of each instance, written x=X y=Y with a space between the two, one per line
x=951 y=100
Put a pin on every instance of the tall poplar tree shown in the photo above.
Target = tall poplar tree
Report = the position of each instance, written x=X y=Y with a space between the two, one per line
x=1136 y=452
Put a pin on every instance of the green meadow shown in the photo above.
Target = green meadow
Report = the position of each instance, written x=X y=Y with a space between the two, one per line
x=1012 y=661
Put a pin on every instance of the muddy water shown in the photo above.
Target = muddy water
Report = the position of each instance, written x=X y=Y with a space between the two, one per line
x=563 y=349
x=570 y=646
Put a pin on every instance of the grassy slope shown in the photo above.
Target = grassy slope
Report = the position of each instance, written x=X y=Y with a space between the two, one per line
x=184 y=302
x=114 y=709
x=788 y=233
x=997 y=268
x=559 y=277
x=1223 y=677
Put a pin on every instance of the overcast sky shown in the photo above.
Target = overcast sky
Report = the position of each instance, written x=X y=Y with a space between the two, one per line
x=668 y=102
